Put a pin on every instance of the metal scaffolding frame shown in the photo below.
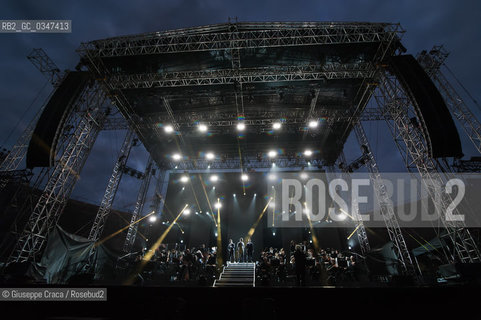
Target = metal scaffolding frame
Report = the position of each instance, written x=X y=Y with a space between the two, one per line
x=432 y=62
x=259 y=35
x=387 y=210
x=112 y=187
x=49 y=69
x=412 y=146
x=139 y=205
x=84 y=125
x=242 y=75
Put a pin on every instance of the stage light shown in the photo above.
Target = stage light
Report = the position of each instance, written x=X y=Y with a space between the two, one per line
x=272 y=154
x=241 y=126
x=233 y=194
x=168 y=129
x=255 y=194
x=218 y=205
x=308 y=153
x=176 y=156
x=342 y=216
x=272 y=204
x=202 y=128
x=306 y=211
x=271 y=177
x=196 y=212
x=209 y=156
x=215 y=234
x=175 y=167
x=213 y=188
x=350 y=247
x=153 y=218
x=183 y=188
x=181 y=241
x=304 y=175
x=313 y=124
x=276 y=125
x=244 y=177
x=184 y=179
x=274 y=234
x=187 y=211
x=214 y=178
x=208 y=167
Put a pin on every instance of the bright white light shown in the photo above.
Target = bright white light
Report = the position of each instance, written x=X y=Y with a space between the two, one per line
x=244 y=177
x=168 y=129
x=306 y=211
x=153 y=218
x=208 y=167
x=308 y=153
x=209 y=156
x=350 y=247
x=255 y=194
x=342 y=216
x=214 y=178
x=313 y=123
x=233 y=194
x=181 y=241
x=176 y=156
x=272 y=204
x=202 y=128
x=241 y=126
x=304 y=175
x=271 y=176
x=274 y=234
x=218 y=205
x=183 y=188
x=276 y=125
x=187 y=211
x=184 y=179
x=213 y=188
x=272 y=154
x=215 y=234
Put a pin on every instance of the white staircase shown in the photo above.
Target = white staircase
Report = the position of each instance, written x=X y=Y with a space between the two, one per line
x=237 y=275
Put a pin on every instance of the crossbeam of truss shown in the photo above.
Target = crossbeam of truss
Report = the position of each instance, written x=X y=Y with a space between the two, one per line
x=221 y=37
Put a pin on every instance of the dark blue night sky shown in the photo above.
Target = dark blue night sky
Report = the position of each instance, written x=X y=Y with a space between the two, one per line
x=456 y=24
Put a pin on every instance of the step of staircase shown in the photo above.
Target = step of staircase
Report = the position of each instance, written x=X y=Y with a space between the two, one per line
x=237 y=275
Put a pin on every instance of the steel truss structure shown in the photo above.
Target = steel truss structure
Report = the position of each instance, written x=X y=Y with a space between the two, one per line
x=387 y=210
x=139 y=205
x=242 y=75
x=218 y=37
x=432 y=62
x=412 y=146
x=49 y=69
x=83 y=127
x=111 y=190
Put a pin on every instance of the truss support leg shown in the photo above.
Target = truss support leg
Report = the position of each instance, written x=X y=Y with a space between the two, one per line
x=139 y=205
x=87 y=117
x=112 y=187
x=396 y=105
x=387 y=210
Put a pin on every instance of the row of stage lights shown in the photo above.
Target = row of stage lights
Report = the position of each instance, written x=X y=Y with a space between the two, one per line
x=211 y=156
x=244 y=177
x=241 y=126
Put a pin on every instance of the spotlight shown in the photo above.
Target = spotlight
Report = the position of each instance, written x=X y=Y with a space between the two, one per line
x=183 y=188
x=196 y=212
x=153 y=218
x=244 y=177
x=168 y=129
x=276 y=125
x=255 y=194
x=202 y=128
x=350 y=248
x=182 y=241
x=209 y=156
x=184 y=179
x=175 y=167
x=187 y=211
x=308 y=153
x=218 y=205
x=233 y=194
x=241 y=126
x=306 y=211
x=176 y=156
x=214 y=178
x=271 y=176
x=216 y=234
x=304 y=175
x=208 y=167
x=342 y=216
x=274 y=234
x=272 y=154
x=272 y=204
x=313 y=123
x=213 y=188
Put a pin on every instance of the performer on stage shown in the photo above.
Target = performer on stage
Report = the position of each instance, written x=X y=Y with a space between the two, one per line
x=250 y=250
x=231 y=250
x=240 y=250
